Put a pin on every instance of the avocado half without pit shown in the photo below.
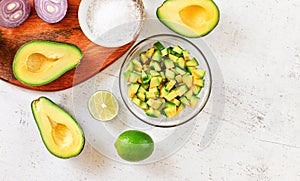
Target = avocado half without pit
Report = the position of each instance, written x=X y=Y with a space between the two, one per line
x=190 y=18
x=61 y=133
x=40 y=62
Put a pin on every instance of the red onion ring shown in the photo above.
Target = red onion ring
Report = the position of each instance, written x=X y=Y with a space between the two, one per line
x=51 y=11
x=14 y=12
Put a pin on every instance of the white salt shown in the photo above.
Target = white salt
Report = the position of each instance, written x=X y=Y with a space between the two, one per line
x=113 y=22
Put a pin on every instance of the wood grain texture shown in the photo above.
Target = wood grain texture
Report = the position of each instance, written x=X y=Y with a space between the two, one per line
x=95 y=58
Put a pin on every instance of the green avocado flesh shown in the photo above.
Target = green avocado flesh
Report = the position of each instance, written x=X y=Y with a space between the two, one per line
x=190 y=18
x=61 y=133
x=40 y=62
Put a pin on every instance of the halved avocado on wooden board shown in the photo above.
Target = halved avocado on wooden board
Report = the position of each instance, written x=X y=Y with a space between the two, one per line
x=190 y=18
x=40 y=62
x=61 y=133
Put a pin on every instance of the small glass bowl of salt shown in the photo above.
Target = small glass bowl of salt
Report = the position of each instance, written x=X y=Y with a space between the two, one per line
x=111 y=23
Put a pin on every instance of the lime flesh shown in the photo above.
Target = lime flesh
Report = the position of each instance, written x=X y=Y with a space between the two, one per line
x=103 y=105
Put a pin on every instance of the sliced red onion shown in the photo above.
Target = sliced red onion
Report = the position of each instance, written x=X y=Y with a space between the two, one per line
x=14 y=12
x=51 y=11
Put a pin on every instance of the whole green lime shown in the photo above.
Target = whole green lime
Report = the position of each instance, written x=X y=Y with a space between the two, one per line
x=134 y=145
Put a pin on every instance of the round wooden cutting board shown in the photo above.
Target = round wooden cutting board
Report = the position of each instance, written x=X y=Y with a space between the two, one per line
x=95 y=58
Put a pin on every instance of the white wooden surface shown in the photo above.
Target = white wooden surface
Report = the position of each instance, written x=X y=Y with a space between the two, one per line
x=258 y=50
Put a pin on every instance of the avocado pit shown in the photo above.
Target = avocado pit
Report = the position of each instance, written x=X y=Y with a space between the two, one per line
x=38 y=62
x=61 y=134
x=193 y=16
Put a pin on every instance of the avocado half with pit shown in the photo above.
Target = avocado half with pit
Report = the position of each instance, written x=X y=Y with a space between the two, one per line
x=40 y=62
x=61 y=133
x=190 y=18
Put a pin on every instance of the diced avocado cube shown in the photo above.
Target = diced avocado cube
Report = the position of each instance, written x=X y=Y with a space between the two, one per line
x=171 y=95
x=157 y=55
x=146 y=67
x=164 y=52
x=170 y=109
x=150 y=95
x=177 y=49
x=172 y=57
x=137 y=65
x=180 y=63
x=155 y=81
x=154 y=73
x=143 y=105
x=196 y=89
x=155 y=103
x=163 y=76
x=141 y=90
x=169 y=49
x=150 y=52
x=175 y=101
x=140 y=80
x=192 y=63
x=170 y=74
x=164 y=91
x=143 y=57
x=159 y=45
x=180 y=71
x=145 y=86
x=141 y=96
x=189 y=94
x=186 y=55
x=152 y=112
x=190 y=69
x=134 y=76
x=199 y=82
x=168 y=63
x=146 y=80
x=180 y=108
x=136 y=101
x=170 y=84
x=194 y=100
x=178 y=78
x=144 y=75
x=198 y=73
x=132 y=89
x=154 y=90
x=130 y=66
x=126 y=75
x=187 y=79
x=184 y=101
x=182 y=90
x=155 y=65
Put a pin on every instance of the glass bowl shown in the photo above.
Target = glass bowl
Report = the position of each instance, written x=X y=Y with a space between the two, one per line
x=108 y=23
x=188 y=113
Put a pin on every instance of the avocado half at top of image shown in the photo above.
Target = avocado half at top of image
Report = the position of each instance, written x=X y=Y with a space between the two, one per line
x=190 y=18
x=39 y=62
x=61 y=133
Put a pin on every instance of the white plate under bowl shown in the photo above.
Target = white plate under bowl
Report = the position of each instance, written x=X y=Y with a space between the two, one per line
x=167 y=141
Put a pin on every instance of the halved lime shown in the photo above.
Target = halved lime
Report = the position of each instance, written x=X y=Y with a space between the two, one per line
x=103 y=105
x=134 y=145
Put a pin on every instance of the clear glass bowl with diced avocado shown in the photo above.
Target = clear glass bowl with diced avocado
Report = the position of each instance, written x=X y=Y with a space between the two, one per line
x=165 y=80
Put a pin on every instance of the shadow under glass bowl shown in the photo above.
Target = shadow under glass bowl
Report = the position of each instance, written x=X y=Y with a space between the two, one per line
x=188 y=113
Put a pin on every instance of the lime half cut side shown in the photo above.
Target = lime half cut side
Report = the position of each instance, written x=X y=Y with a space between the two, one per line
x=103 y=105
